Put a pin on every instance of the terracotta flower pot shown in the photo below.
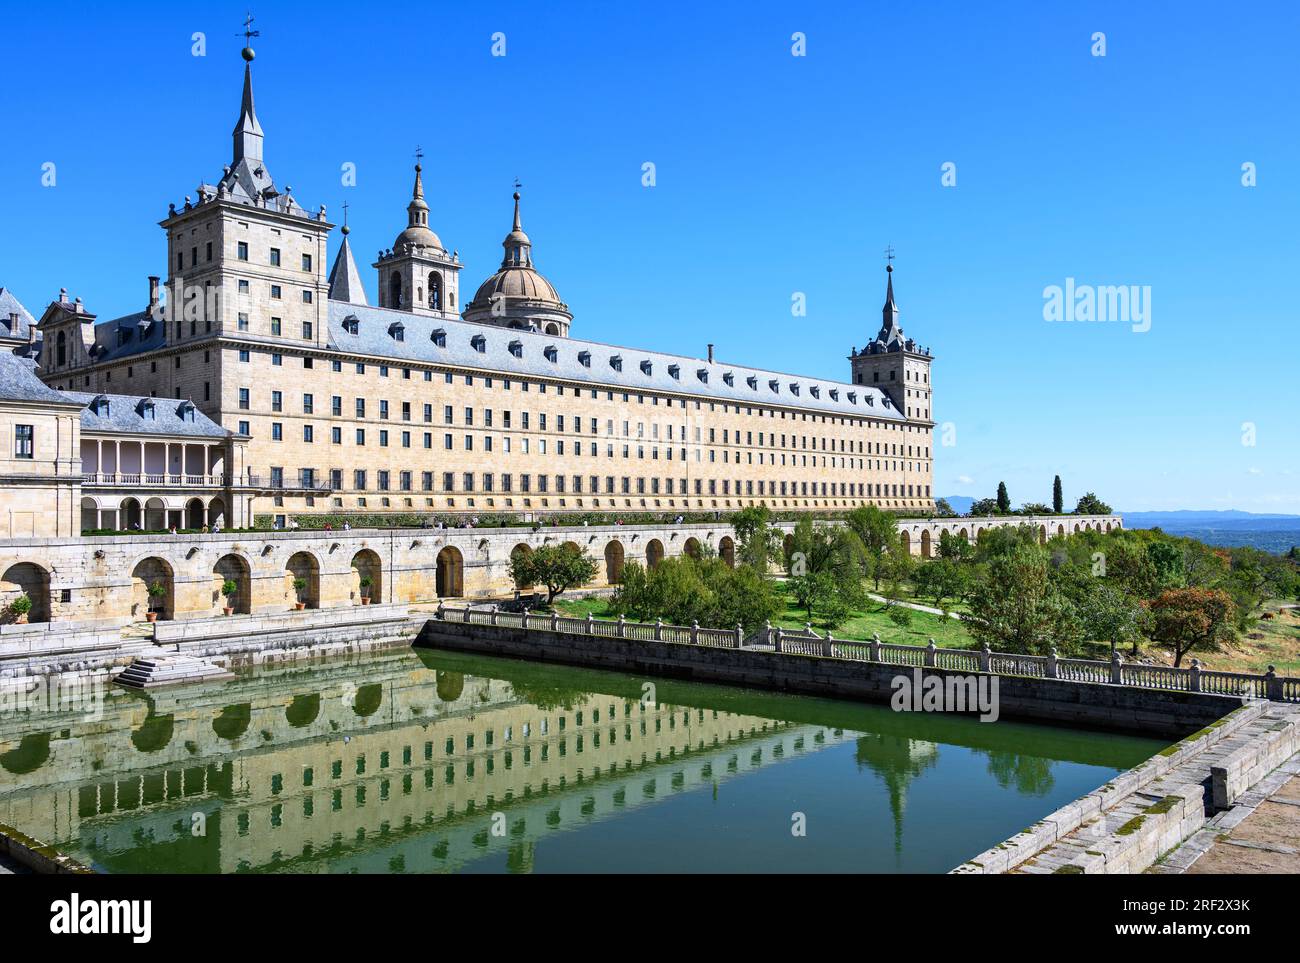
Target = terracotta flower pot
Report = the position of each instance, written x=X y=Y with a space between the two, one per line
x=151 y=616
x=299 y=606
x=21 y=619
x=229 y=610
x=365 y=600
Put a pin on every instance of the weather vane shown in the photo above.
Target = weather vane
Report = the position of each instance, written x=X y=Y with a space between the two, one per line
x=419 y=153
x=249 y=32
x=517 y=184
x=889 y=254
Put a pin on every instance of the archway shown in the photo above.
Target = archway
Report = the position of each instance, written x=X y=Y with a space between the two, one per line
x=303 y=565
x=552 y=328
x=395 y=290
x=450 y=580
x=520 y=551
x=1042 y=534
x=654 y=553
x=153 y=588
x=1108 y=526
x=905 y=539
x=155 y=515
x=692 y=548
x=27 y=578
x=233 y=568
x=130 y=516
x=217 y=512
x=613 y=561
x=194 y=513
x=367 y=576
x=89 y=514
x=964 y=534
x=727 y=550
x=1060 y=529
x=925 y=543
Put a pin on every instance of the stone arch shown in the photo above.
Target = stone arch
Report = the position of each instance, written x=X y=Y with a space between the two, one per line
x=450 y=579
x=1042 y=534
x=367 y=569
x=368 y=699
x=435 y=291
x=395 y=290
x=89 y=513
x=32 y=752
x=217 y=512
x=613 y=561
x=233 y=568
x=194 y=513
x=925 y=543
x=147 y=572
x=30 y=579
x=154 y=733
x=1060 y=529
x=130 y=514
x=233 y=721
x=692 y=548
x=905 y=539
x=155 y=515
x=727 y=550
x=552 y=328
x=1108 y=526
x=964 y=534
x=654 y=554
x=303 y=710
x=522 y=549
x=303 y=565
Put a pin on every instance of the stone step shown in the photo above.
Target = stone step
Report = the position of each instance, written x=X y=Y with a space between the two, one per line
x=155 y=671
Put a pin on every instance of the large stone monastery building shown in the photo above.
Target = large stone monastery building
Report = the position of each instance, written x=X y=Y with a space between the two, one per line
x=431 y=402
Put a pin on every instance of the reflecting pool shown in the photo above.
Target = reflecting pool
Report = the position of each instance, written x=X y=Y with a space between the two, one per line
x=420 y=761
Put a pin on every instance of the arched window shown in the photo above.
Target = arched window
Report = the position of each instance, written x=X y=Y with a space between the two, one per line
x=435 y=291
x=62 y=349
x=395 y=290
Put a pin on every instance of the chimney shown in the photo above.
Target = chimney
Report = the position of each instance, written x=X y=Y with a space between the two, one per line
x=710 y=354
x=153 y=293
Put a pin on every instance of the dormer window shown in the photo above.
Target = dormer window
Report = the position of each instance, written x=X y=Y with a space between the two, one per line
x=616 y=362
x=551 y=353
x=702 y=374
x=584 y=358
x=752 y=381
x=186 y=411
x=884 y=400
x=675 y=371
x=794 y=387
x=647 y=368
x=397 y=331
x=774 y=385
x=478 y=343
x=815 y=391
x=100 y=406
x=146 y=409
x=517 y=348
x=439 y=337
x=871 y=402
x=835 y=394
x=730 y=379
x=853 y=397
x=352 y=324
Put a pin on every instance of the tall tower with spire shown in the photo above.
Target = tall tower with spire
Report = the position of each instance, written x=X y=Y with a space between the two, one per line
x=895 y=363
x=518 y=296
x=418 y=274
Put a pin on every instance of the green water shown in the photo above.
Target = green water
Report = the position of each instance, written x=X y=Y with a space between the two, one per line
x=421 y=761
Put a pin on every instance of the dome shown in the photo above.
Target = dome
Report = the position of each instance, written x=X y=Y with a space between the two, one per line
x=417 y=236
x=517 y=282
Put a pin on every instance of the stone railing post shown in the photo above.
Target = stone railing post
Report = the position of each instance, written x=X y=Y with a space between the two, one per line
x=767 y=631
x=695 y=631
x=1194 y=676
x=929 y=653
x=1116 y=669
x=1050 y=671
x=827 y=642
x=659 y=630
x=622 y=626
x=1272 y=685
x=875 y=647
x=555 y=621
x=986 y=658
x=439 y=612
x=525 y=618
x=591 y=624
x=776 y=639
x=493 y=616
x=740 y=635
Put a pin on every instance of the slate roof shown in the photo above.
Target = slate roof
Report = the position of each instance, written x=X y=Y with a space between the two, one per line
x=518 y=352
x=9 y=304
x=125 y=415
x=18 y=381
x=345 y=279
x=137 y=336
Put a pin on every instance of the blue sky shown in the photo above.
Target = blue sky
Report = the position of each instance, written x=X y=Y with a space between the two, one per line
x=775 y=174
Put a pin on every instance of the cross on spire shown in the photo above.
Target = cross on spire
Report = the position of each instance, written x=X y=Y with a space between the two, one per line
x=419 y=153
x=889 y=254
x=249 y=32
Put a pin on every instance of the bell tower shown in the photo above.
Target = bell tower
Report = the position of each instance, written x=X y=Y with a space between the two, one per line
x=895 y=364
x=417 y=274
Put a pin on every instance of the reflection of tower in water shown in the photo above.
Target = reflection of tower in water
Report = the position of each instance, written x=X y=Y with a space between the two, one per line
x=897 y=760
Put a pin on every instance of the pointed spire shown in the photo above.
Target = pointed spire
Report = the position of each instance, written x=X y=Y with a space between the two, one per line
x=417 y=212
x=248 y=132
x=519 y=249
x=345 y=279
x=889 y=329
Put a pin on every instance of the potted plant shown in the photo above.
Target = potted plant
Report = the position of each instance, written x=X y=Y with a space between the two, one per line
x=20 y=607
x=366 y=582
x=299 y=585
x=157 y=591
x=229 y=589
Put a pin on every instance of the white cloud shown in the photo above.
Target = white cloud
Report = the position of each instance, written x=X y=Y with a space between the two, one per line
x=965 y=480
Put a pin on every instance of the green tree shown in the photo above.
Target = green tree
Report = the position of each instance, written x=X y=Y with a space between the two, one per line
x=876 y=531
x=1110 y=615
x=942 y=509
x=825 y=567
x=1090 y=504
x=1034 y=508
x=1191 y=620
x=558 y=567
x=1004 y=500
x=758 y=541
x=1058 y=497
x=983 y=506
x=1016 y=608
x=940 y=579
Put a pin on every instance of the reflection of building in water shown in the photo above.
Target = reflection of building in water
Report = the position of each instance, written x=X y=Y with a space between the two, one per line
x=897 y=760
x=312 y=770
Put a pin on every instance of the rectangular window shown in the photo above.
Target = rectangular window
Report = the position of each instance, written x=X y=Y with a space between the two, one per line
x=243 y=398
x=241 y=250
x=24 y=443
x=275 y=257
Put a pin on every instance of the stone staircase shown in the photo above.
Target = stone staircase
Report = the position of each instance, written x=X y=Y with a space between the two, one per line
x=153 y=671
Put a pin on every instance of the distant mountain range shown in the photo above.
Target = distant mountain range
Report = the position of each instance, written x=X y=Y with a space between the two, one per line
x=1182 y=518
